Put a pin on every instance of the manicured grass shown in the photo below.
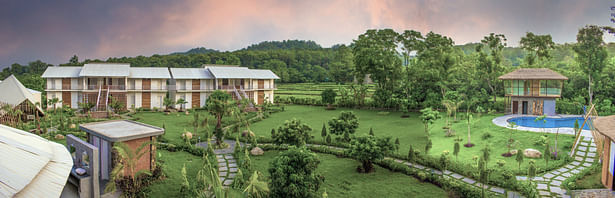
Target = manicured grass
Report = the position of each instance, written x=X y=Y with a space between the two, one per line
x=173 y=163
x=342 y=180
x=312 y=90
x=177 y=123
x=591 y=181
x=410 y=131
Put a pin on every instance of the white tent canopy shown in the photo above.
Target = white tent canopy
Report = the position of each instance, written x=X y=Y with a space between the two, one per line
x=31 y=166
x=15 y=93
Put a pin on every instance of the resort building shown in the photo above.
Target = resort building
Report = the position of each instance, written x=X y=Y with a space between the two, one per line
x=147 y=87
x=532 y=90
x=101 y=83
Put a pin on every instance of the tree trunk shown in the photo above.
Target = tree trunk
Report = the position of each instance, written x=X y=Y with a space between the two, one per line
x=492 y=90
x=368 y=167
x=589 y=89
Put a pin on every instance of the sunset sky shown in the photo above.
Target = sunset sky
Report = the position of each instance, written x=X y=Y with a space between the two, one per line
x=53 y=31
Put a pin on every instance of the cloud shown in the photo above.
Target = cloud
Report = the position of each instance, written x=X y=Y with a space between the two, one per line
x=54 y=31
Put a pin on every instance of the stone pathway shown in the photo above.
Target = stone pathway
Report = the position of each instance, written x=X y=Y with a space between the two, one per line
x=227 y=165
x=227 y=168
x=550 y=183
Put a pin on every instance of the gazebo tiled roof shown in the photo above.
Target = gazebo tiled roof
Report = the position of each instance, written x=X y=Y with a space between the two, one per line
x=533 y=74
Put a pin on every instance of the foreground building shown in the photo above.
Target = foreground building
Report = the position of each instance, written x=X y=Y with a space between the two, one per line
x=533 y=90
x=33 y=166
x=147 y=87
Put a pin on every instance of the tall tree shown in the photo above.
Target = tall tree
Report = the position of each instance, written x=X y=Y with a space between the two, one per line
x=292 y=174
x=368 y=149
x=536 y=47
x=219 y=105
x=591 y=53
x=489 y=63
x=74 y=60
x=375 y=53
x=410 y=41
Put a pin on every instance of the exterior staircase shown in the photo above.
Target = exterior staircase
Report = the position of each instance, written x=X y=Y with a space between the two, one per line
x=102 y=100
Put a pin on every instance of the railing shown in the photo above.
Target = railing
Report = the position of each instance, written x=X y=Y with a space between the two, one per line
x=111 y=87
x=230 y=87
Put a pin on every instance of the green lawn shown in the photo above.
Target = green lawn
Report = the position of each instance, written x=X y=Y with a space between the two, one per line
x=591 y=181
x=411 y=131
x=342 y=180
x=176 y=123
x=173 y=163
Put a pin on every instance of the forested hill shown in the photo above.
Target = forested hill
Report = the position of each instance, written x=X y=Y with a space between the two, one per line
x=198 y=50
x=292 y=60
x=285 y=45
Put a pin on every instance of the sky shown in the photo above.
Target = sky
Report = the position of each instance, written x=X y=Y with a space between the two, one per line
x=53 y=31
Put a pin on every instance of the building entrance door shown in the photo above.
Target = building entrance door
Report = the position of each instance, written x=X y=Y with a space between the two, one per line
x=524 y=107
x=515 y=107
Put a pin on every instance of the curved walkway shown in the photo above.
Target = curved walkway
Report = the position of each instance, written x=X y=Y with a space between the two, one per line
x=503 y=122
x=227 y=165
x=549 y=184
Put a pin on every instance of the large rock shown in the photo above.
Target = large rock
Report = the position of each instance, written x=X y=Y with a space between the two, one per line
x=187 y=135
x=59 y=137
x=257 y=151
x=72 y=126
x=513 y=152
x=532 y=153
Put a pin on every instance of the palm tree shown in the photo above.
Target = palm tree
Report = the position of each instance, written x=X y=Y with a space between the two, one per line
x=168 y=103
x=128 y=159
x=53 y=102
x=86 y=106
x=218 y=105
x=255 y=187
x=181 y=102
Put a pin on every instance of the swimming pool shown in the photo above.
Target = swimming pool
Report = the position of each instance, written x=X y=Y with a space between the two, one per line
x=551 y=122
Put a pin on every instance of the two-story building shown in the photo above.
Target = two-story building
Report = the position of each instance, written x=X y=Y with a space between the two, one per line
x=100 y=83
x=147 y=87
x=533 y=90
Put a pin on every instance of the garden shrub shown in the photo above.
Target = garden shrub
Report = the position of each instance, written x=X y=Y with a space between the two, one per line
x=486 y=135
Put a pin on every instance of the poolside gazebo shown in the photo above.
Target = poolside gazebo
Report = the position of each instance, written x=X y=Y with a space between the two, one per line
x=104 y=134
x=533 y=90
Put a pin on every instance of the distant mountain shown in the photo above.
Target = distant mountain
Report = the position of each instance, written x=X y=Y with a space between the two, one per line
x=198 y=50
x=285 y=45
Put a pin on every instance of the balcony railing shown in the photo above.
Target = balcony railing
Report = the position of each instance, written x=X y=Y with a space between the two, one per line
x=111 y=87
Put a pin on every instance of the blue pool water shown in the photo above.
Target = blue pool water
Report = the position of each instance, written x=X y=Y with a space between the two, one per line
x=551 y=122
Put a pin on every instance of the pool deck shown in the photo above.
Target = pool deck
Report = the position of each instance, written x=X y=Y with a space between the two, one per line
x=503 y=122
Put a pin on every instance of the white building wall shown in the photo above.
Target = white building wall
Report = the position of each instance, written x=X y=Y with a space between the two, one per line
x=74 y=84
x=58 y=83
x=74 y=99
x=157 y=100
x=138 y=84
x=138 y=100
x=188 y=84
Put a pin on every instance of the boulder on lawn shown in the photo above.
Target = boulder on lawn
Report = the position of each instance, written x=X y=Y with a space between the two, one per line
x=257 y=151
x=59 y=137
x=513 y=152
x=532 y=153
x=72 y=126
x=187 y=135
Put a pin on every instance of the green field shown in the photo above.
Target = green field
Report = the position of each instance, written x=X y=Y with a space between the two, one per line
x=342 y=179
x=312 y=90
x=173 y=163
x=410 y=131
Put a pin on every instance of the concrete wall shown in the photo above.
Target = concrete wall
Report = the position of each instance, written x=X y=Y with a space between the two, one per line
x=549 y=107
